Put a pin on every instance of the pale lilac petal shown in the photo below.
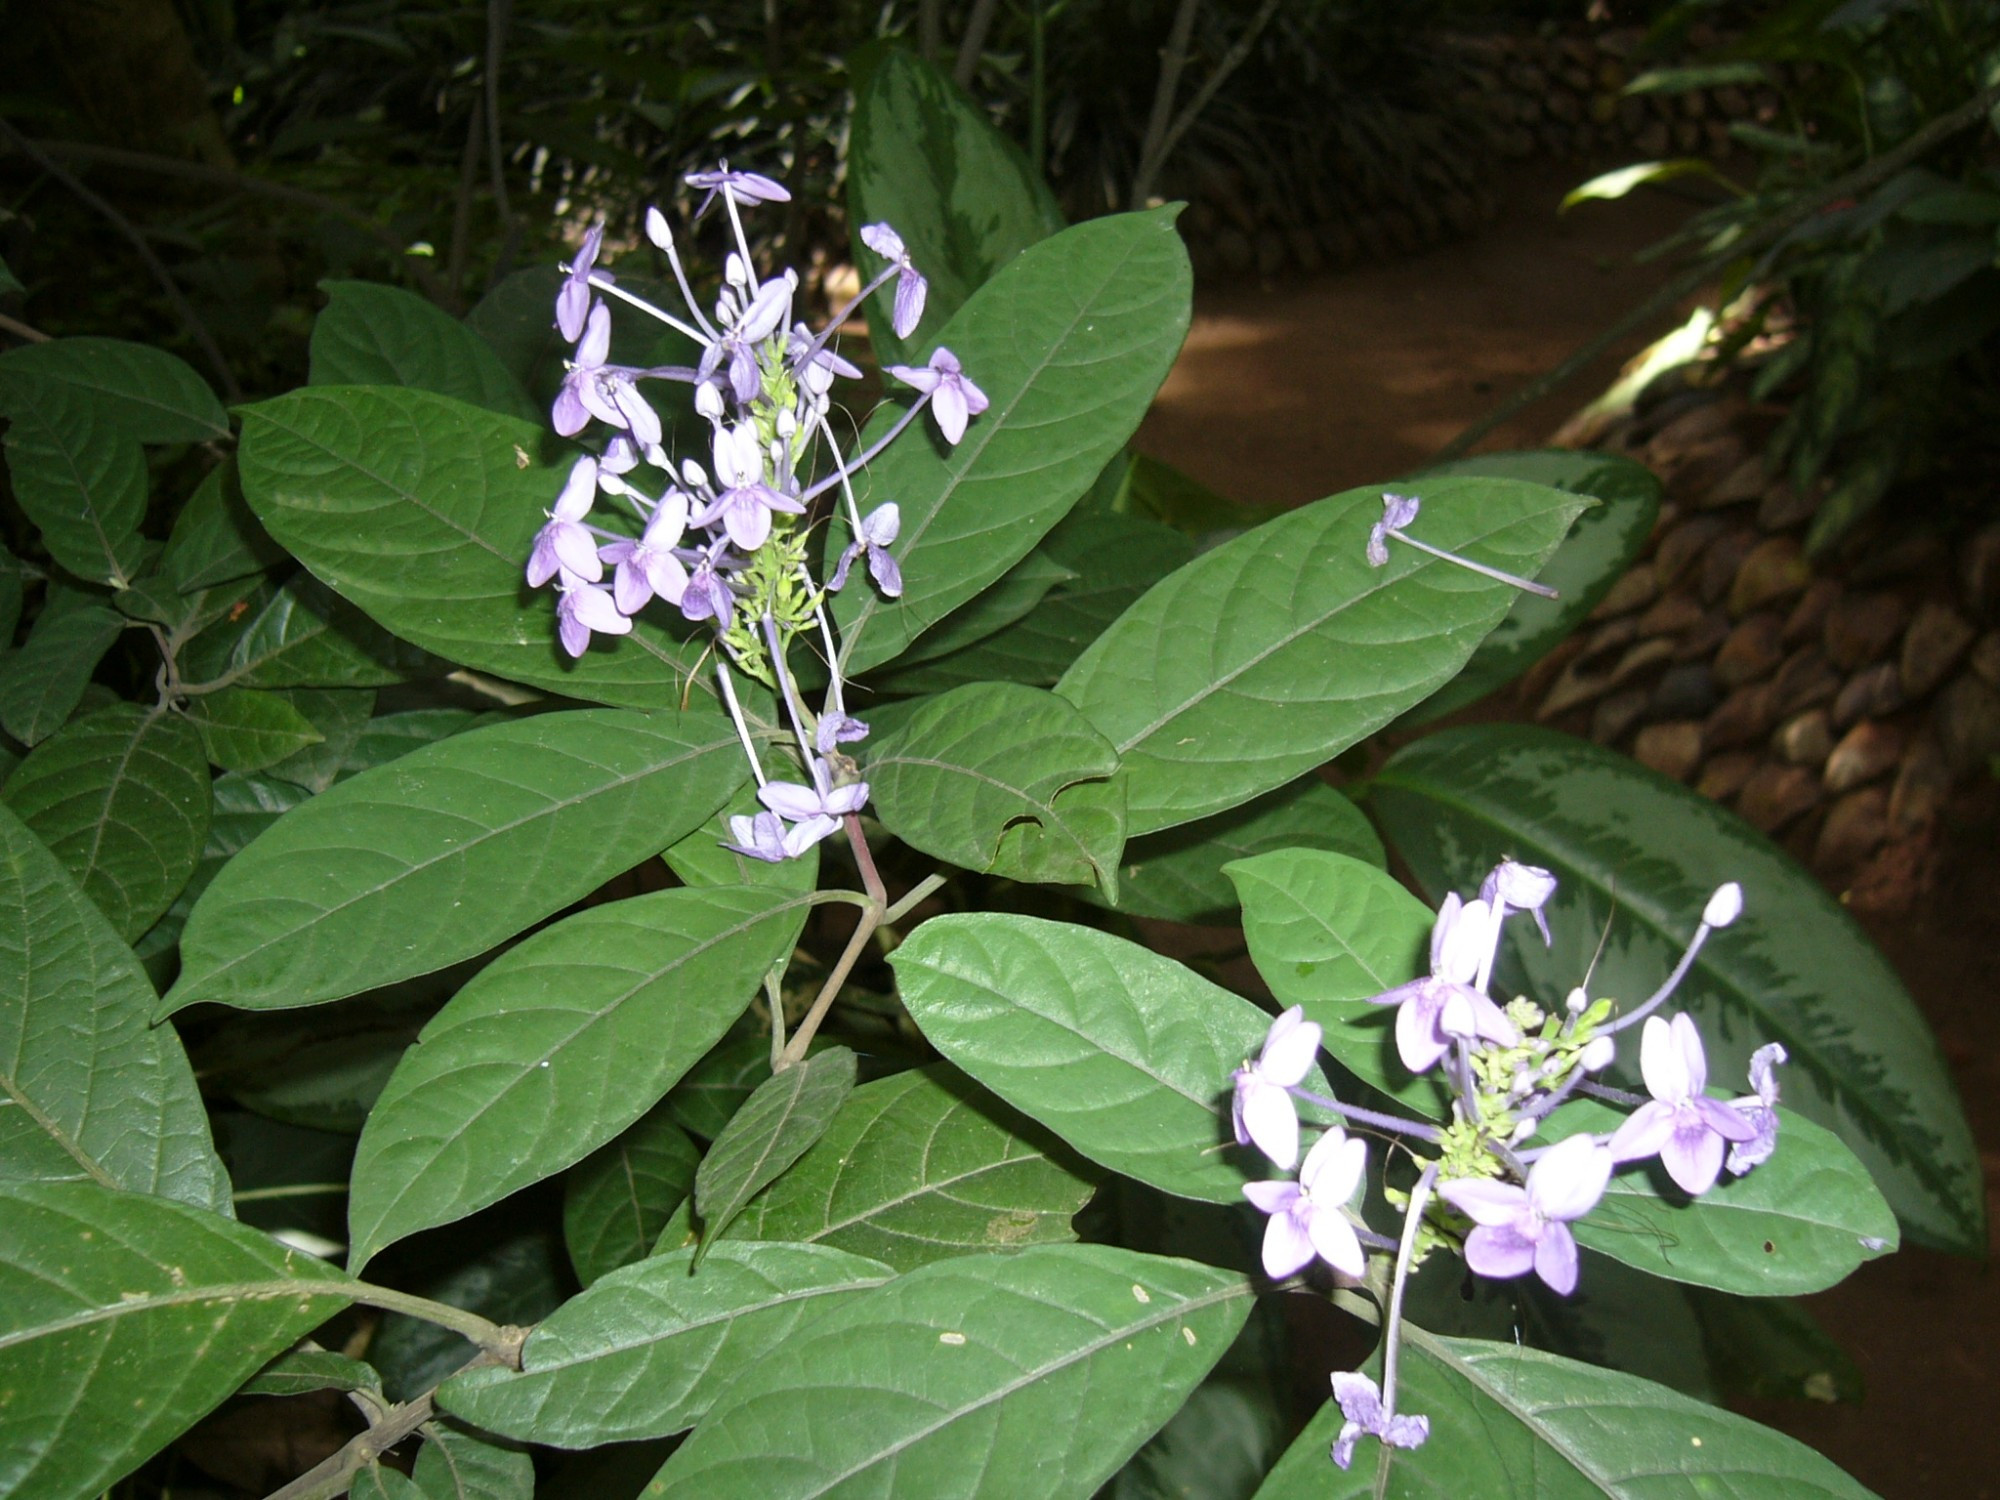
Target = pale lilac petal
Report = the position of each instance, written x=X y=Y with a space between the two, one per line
x=577 y=549
x=1644 y=1132
x=843 y=800
x=569 y=416
x=883 y=240
x=839 y=579
x=806 y=834
x=791 y=801
x=1555 y=1258
x=761 y=837
x=1694 y=1061
x=948 y=405
x=1728 y=1123
x=1499 y=1251
x=1399 y=510
x=1693 y=1157
x=1468 y=943
x=1441 y=929
x=1334 y=1241
x=920 y=377
x=1485 y=1201
x=595 y=608
x=1662 y=1063
x=1290 y=1048
x=579 y=491
x=1268 y=1120
x=911 y=292
x=1333 y=1168
x=1287 y=1246
x=886 y=572
x=880 y=526
x=596 y=345
x=1272 y=1197
x=1568 y=1181
x=1757 y=1150
x=1762 y=1079
x=1417 y=1039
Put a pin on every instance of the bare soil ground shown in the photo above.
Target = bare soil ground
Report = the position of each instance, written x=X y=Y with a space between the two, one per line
x=1289 y=392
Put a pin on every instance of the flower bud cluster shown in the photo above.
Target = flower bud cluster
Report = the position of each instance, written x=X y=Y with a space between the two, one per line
x=1505 y=1204
x=722 y=537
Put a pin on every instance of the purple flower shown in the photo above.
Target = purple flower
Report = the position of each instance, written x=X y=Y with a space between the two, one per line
x=1687 y=1129
x=815 y=363
x=1443 y=1008
x=822 y=799
x=954 y=399
x=878 y=529
x=1517 y=887
x=1397 y=512
x=1522 y=1229
x=708 y=595
x=573 y=301
x=1760 y=1108
x=565 y=542
x=583 y=607
x=835 y=729
x=911 y=288
x=648 y=567
x=1361 y=1404
x=744 y=502
x=765 y=313
x=767 y=838
x=591 y=388
x=1306 y=1216
x=1262 y=1108
x=741 y=187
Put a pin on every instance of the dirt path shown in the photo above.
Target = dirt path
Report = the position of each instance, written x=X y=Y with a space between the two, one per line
x=1295 y=391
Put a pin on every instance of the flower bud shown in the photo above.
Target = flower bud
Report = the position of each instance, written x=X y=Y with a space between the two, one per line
x=657 y=230
x=1597 y=1054
x=1725 y=906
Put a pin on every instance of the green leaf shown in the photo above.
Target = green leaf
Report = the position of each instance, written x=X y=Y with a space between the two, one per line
x=646 y=1350
x=1121 y=1052
x=420 y=509
x=504 y=1272
x=322 y=1068
x=1608 y=186
x=458 y=1465
x=1327 y=933
x=1026 y=1375
x=388 y=737
x=1005 y=779
x=1015 y=594
x=376 y=1481
x=1596 y=553
x=1218 y=1446
x=1509 y=1423
x=338 y=716
x=1069 y=342
x=124 y=1319
x=1115 y=559
x=617 y=1199
x=919 y=1166
x=245 y=731
x=715 y=1088
x=88 y=1089
x=1177 y=876
x=702 y=859
x=141 y=392
x=369 y=334
x=215 y=539
x=305 y=635
x=42 y=683
x=1799 y=1223
x=1273 y=653
x=312 y=1369
x=1643 y=854
x=774 y=1128
x=517 y=321
x=925 y=158
x=80 y=482
x=1157 y=489
x=121 y=798
x=557 y=1046
x=447 y=851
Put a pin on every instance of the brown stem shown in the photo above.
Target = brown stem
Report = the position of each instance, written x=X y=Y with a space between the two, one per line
x=461 y=214
x=183 y=309
x=1867 y=175
x=973 y=43
x=1173 y=58
x=1142 y=184
x=22 y=330
x=498 y=14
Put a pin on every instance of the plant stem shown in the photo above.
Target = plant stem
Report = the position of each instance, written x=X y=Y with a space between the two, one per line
x=973 y=43
x=499 y=1340
x=21 y=330
x=914 y=898
x=1392 y=1330
x=1142 y=186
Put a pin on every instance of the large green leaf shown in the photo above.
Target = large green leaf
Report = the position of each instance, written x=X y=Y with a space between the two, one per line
x=305 y=635
x=1638 y=856
x=124 y=1319
x=1327 y=933
x=247 y=731
x=618 y=1199
x=1276 y=651
x=1177 y=876
x=1018 y=592
x=1595 y=554
x=422 y=509
x=1069 y=342
x=448 y=850
x=1509 y=1423
x=1799 y=1223
x=1005 y=779
x=647 y=1349
x=715 y=1088
x=555 y=1047
x=142 y=393
x=88 y=1089
x=338 y=717
x=926 y=159
x=1024 y=1376
x=1114 y=559
x=215 y=539
x=776 y=1125
x=917 y=1167
x=460 y=1465
x=42 y=683
x=1123 y=1053
x=121 y=798
x=76 y=477
x=370 y=334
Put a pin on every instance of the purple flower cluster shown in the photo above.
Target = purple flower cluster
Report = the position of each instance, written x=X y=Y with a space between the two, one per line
x=1509 y=1205
x=719 y=536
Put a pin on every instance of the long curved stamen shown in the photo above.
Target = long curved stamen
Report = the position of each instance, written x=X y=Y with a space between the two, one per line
x=1392 y=1328
x=736 y=717
x=863 y=459
x=646 y=307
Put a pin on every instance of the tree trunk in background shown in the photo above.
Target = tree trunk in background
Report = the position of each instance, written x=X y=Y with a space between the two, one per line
x=131 y=74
